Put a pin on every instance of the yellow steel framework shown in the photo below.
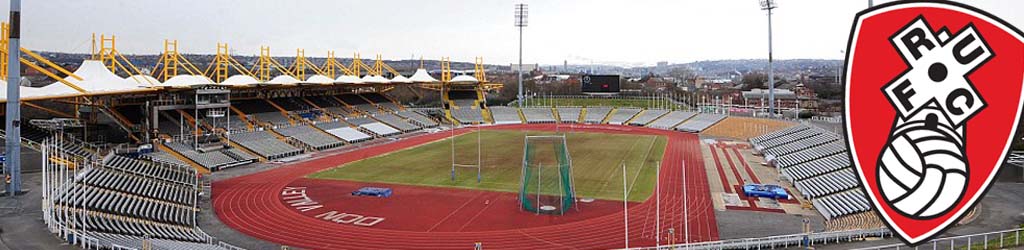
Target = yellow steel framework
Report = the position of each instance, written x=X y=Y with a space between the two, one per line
x=478 y=69
x=265 y=64
x=171 y=61
x=218 y=69
x=446 y=78
x=298 y=68
x=377 y=67
x=109 y=56
x=380 y=66
x=331 y=65
x=4 y=32
x=481 y=75
x=446 y=70
x=358 y=65
x=222 y=64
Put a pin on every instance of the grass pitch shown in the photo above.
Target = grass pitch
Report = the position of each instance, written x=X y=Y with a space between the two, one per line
x=596 y=163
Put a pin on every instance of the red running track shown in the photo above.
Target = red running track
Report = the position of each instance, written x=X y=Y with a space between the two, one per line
x=252 y=205
x=437 y=209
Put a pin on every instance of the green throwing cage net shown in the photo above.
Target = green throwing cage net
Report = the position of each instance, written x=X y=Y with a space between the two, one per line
x=546 y=185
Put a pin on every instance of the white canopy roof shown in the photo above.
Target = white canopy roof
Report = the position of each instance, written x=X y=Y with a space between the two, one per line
x=400 y=79
x=284 y=79
x=56 y=89
x=321 y=79
x=142 y=80
x=348 y=79
x=374 y=79
x=23 y=89
x=186 y=81
x=96 y=78
x=3 y=91
x=240 y=80
x=464 y=79
x=421 y=75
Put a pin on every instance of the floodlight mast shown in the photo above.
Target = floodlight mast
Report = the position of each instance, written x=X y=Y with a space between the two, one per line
x=522 y=10
x=769 y=5
x=13 y=120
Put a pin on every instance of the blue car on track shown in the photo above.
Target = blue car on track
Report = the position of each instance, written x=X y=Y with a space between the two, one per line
x=765 y=190
x=373 y=191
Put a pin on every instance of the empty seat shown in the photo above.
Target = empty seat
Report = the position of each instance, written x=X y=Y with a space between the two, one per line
x=265 y=144
x=505 y=115
x=569 y=115
x=538 y=115
x=620 y=116
x=349 y=134
x=311 y=137
x=359 y=120
x=808 y=154
x=670 y=120
x=212 y=160
x=381 y=101
x=801 y=144
x=833 y=182
x=397 y=122
x=123 y=200
x=380 y=129
x=779 y=133
x=596 y=114
x=842 y=203
x=468 y=115
x=167 y=172
x=647 y=116
x=700 y=122
x=417 y=118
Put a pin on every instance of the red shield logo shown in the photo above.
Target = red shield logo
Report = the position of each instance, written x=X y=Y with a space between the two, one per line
x=933 y=97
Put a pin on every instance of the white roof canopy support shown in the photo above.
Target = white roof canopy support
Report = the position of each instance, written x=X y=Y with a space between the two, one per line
x=350 y=79
x=284 y=80
x=421 y=76
x=464 y=79
x=142 y=80
x=400 y=79
x=375 y=79
x=319 y=79
x=241 y=80
x=182 y=81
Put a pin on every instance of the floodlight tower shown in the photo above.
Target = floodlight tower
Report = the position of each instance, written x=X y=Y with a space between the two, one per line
x=769 y=5
x=521 y=22
x=13 y=120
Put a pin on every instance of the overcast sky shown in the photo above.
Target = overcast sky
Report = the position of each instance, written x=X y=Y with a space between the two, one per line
x=611 y=32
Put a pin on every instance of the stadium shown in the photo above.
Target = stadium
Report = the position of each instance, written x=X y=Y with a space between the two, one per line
x=225 y=152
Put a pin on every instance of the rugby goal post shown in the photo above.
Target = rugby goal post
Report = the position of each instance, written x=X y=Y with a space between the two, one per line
x=546 y=184
x=479 y=156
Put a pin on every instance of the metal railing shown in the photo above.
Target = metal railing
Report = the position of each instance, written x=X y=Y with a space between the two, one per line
x=1016 y=158
x=991 y=240
x=229 y=246
x=784 y=241
x=672 y=100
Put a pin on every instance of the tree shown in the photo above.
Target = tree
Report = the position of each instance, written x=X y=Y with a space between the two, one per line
x=754 y=80
x=827 y=91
